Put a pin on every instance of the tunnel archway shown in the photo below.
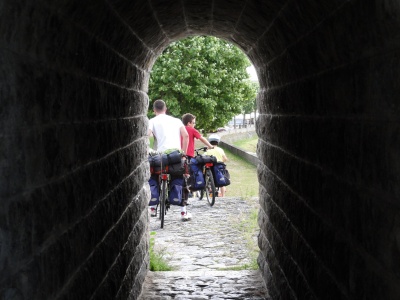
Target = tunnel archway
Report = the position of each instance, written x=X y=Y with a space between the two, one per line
x=73 y=78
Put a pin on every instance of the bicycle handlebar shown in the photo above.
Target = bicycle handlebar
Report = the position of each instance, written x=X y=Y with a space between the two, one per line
x=204 y=149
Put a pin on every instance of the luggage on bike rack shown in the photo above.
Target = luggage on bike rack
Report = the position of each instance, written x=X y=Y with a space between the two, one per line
x=202 y=159
x=155 y=163
x=196 y=180
x=221 y=175
x=176 y=169
x=171 y=162
x=171 y=157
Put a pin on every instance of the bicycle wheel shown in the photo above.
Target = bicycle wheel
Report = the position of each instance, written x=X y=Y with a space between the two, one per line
x=163 y=199
x=210 y=187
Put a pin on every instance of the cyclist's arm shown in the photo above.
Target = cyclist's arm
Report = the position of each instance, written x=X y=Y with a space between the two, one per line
x=149 y=135
x=185 y=139
x=224 y=157
x=150 y=125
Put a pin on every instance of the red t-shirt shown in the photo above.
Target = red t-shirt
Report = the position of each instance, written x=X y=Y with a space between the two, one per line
x=193 y=133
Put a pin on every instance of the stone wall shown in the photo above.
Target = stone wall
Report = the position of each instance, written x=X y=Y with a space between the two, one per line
x=247 y=156
x=229 y=137
x=329 y=145
x=234 y=135
x=73 y=171
x=73 y=211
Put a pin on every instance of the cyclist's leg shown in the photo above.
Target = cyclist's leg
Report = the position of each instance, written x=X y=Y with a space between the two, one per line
x=185 y=191
x=223 y=191
x=190 y=193
x=185 y=215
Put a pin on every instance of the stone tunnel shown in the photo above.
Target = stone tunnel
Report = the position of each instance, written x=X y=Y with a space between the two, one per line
x=73 y=167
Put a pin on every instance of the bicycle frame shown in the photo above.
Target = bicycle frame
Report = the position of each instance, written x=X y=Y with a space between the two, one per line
x=164 y=176
x=164 y=205
x=209 y=189
x=163 y=184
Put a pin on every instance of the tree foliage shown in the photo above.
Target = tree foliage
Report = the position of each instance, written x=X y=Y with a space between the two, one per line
x=204 y=76
x=251 y=105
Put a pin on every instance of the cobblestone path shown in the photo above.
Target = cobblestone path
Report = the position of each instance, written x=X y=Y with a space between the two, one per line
x=198 y=249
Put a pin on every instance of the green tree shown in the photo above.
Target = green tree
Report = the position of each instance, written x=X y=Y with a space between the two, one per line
x=204 y=76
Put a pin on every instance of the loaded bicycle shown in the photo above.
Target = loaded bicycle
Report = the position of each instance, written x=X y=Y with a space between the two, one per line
x=207 y=162
x=168 y=169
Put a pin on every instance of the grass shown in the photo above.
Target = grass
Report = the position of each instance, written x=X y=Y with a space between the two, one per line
x=244 y=184
x=151 y=142
x=158 y=261
x=249 y=144
x=247 y=225
x=244 y=181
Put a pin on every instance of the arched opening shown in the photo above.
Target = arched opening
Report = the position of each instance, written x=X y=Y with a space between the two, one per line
x=207 y=77
x=73 y=80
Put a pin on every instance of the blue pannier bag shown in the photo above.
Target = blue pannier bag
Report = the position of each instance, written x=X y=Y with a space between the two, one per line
x=196 y=180
x=175 y=191
x=221 y=175
x=155 y=163
x=155 y=194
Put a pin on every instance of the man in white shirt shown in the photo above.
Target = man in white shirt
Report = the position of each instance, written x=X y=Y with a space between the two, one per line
x=168 y=132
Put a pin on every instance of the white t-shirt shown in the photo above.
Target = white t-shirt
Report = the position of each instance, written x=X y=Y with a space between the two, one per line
x=166 y=130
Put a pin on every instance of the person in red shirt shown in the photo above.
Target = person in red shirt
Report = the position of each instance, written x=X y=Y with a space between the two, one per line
x=189 y=121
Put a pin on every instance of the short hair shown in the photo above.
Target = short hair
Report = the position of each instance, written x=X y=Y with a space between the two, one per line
x=159 y=105
x=187 y=118
x=214 y=143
